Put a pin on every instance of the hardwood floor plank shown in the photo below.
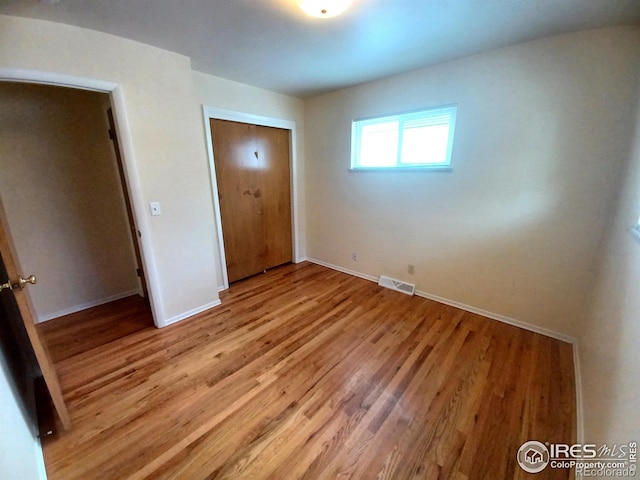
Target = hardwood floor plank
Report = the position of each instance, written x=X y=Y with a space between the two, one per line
x=306 y=373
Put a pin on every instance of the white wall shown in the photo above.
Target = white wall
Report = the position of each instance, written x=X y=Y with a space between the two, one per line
x=611 y=333
x=516 y=229
x=169 y=155
x=63 y=198
x=20 y=450
x=225 y=94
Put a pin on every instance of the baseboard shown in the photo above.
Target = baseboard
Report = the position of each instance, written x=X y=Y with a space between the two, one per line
x=494 y=316
x=536 y=329
x=371 y=278
x=500 y=318
x=190 y=313
x=84 y=306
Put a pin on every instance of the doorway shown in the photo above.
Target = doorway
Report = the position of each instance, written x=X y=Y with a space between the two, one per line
x=261 y=227
x=72 y=227
x=64 y=199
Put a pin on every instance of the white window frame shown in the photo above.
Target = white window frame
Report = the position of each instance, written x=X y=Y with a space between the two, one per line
x=356 y=133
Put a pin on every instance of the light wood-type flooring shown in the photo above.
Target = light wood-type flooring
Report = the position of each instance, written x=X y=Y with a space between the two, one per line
x=305 y=372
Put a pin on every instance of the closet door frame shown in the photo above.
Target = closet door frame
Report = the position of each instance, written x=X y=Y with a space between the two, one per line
x=234 y=116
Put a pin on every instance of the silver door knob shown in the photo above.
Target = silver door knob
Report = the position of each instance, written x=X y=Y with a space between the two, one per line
x=30 y=279
x=20 y=283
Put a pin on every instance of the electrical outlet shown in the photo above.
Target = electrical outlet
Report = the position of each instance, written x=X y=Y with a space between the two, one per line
x=155 y=208
x=354 y=256
x=411 y=269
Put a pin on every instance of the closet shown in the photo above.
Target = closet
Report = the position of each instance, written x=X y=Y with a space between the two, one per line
x=252 y=167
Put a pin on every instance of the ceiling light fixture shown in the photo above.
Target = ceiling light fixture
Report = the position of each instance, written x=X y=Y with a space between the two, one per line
x=324 y=8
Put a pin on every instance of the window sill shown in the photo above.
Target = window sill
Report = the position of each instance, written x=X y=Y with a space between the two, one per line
x=402 y=169
x=635 y=232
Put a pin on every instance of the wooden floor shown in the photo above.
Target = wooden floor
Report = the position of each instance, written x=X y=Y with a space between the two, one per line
x=305 y=372
x=83 y=331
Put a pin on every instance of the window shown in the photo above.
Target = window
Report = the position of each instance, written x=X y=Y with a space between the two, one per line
x=417 y=140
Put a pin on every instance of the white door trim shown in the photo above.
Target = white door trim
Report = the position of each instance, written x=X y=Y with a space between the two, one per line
x=235 y=116
x=128 y=159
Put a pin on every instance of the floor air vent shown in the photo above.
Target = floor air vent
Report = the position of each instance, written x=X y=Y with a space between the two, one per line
x=397 y=285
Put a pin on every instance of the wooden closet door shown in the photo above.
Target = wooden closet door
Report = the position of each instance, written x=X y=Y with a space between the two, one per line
x=254 y=186
x=238 y=168
x=273 y=147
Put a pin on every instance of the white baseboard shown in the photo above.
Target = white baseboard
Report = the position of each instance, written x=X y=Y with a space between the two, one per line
x=500 y=318
x=494 y=316
x=84 y=306
x=536 y=329
x=371 y=278
x=190 y=313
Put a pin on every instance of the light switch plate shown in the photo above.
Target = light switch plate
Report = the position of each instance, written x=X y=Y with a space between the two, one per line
x=155 y=208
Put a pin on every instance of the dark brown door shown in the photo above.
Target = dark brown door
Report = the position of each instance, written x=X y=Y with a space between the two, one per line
x=254 y=185
x=22 y=312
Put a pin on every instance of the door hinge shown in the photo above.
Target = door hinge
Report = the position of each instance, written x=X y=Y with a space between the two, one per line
x=112 y=134
x=138 y=272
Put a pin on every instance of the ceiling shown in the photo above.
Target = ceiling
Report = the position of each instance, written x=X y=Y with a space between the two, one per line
x=273 y=45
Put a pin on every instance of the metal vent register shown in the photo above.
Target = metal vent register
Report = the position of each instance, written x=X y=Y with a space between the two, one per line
x=397 y=285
